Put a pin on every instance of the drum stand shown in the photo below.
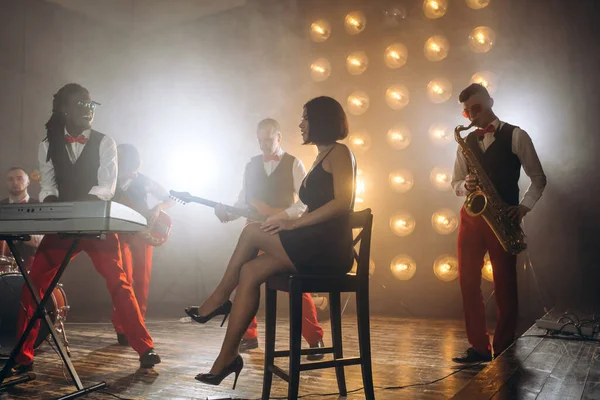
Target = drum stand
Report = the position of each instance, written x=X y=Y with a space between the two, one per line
x=40 y=313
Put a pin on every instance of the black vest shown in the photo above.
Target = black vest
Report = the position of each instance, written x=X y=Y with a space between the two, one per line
x=75 y=181
x=136 y=195
x=26 y=252
x=500 y=163
x=277 y=189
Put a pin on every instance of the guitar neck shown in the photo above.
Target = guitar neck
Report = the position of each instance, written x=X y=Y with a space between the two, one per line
x=229 y=209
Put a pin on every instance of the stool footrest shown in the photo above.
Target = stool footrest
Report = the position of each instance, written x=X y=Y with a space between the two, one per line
x=279 y=372
x=330 y=363
x=305 y=352
x=316 y=365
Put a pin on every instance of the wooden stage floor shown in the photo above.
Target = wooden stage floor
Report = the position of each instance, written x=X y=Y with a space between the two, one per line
x=405 y=352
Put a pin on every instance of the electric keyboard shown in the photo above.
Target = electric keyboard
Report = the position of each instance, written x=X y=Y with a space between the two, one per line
x=81 y=217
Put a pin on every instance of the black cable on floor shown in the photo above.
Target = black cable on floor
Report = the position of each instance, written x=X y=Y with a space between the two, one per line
x=382 y=388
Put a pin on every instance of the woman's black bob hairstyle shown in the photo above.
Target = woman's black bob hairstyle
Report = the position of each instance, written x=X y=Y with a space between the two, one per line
x=327 y=122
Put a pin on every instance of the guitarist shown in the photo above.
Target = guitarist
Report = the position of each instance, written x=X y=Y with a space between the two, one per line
x=132 y=190
x=271 y=184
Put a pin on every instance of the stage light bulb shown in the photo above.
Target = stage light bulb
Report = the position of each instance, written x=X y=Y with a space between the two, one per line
x=396 y=55
x=394 y=15
x=482 y=39
x=359 y=190
x=437 y=48
x=487 y=80
x=397 y=97
x=434 y=9
x=401 y=181
x=357 y=62
x=440 y=135
x=399 y=137
x=359 y=142
x=320 y=30
x=444 y=221
x=402 y=224
x=440 y=179
x=487 y=272
x=439 y=90
x=355 y=22
x=478 y=4
x=446 y=268
x=320 y=69
x=403 y=267
x=358 y=102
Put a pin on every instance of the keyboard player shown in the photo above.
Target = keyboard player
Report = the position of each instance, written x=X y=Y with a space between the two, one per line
x=17 y=183
x=78 y=164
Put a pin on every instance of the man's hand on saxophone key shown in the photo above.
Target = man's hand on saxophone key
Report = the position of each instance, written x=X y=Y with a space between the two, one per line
x=471 y=182
x=516 y=213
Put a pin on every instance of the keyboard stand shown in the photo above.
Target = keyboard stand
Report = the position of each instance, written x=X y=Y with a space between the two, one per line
x=40 y=313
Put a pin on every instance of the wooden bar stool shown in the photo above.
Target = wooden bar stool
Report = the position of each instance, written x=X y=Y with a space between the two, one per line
x=298 y=284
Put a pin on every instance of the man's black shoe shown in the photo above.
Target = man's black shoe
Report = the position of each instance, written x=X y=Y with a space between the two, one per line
x=472 y=356
x=122 y=339
x=149 y=359
x=318 y=356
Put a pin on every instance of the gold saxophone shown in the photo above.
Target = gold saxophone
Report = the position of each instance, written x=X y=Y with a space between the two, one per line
x=486 y=201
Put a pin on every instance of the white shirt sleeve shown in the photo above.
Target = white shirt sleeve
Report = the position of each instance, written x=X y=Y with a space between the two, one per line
x=107 y=172
x=158 y=191
x=47 y=178
x=299 y=173
x=35 y=241
x=459 y=174
x=522 y=147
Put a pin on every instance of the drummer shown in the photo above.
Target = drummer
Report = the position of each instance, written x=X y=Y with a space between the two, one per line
x=17 y=183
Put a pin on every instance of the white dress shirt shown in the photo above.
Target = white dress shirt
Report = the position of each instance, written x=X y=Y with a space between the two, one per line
x=151 y=187
x=107 y=172
x=298 y=172
x=13 y=201
x=522 y=147
x=35 y=239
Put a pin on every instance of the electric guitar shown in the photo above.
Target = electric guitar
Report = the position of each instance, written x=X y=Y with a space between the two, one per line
x=157 y=232
x=258 y=211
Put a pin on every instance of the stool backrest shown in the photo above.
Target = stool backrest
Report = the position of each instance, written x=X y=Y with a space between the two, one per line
x=363 y=221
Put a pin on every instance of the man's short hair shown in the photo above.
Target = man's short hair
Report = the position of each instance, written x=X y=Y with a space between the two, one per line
x=11 y=169
x=472 y=90
x=269 y=123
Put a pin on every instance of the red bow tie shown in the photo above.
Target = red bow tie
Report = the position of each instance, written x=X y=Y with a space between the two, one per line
x=23 y=201
x=79 y=139
x=482 y=131
x=273 y=157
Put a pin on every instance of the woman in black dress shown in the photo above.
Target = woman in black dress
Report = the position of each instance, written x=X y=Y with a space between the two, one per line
x=319 y=242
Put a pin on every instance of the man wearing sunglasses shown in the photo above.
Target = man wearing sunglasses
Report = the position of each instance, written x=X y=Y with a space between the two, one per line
x=504 y=149
x=79 y=164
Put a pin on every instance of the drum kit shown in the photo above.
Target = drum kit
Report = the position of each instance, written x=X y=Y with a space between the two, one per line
x=11 y=283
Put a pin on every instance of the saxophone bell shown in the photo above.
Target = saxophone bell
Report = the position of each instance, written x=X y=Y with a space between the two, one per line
x=476 y=203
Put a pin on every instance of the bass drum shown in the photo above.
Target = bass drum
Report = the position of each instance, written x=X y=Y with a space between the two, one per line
x=10 y=296
x=7 y=261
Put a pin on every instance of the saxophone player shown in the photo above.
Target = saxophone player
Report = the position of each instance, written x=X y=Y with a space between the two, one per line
x=502 y=150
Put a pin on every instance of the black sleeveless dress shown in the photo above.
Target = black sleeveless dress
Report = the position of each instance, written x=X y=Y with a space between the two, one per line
x=324 y=248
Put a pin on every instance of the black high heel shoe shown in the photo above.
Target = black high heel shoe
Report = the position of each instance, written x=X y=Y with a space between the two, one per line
x=223 y=309
x=234 y=368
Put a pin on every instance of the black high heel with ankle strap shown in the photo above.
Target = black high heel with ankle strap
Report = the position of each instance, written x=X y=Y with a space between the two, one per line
x=223 y=309
x=234 y=368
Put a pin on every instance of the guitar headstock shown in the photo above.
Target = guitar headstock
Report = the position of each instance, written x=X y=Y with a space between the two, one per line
x=181 y=197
